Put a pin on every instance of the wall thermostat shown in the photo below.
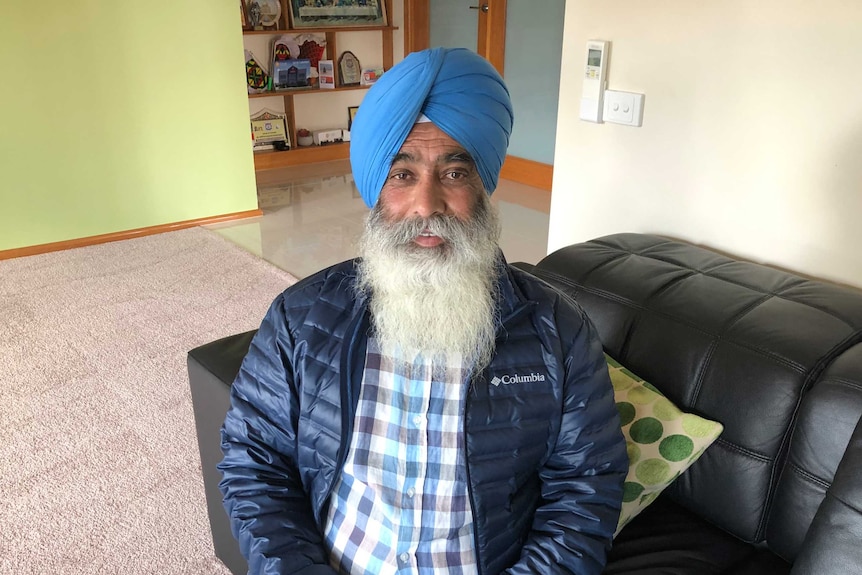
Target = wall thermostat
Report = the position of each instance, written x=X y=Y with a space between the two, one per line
x=595 y=81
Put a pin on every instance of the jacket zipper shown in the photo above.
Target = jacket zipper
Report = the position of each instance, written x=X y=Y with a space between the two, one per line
x=467 y=471
x=348 y=403
x=349 y=415
x=516 y=314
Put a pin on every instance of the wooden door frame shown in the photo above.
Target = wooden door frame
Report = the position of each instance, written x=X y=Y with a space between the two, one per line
x=417 y=25
x=492 y=33
x=491 y=45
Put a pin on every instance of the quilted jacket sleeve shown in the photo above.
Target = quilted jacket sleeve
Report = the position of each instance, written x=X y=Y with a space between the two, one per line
x=582 y=481
x=270 y=513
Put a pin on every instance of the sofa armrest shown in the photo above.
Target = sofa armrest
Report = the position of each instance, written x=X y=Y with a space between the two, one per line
x=212 y=369
x=832 y=544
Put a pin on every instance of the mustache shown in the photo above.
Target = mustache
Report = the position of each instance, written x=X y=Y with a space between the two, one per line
x=453 y=230
x=405 y=231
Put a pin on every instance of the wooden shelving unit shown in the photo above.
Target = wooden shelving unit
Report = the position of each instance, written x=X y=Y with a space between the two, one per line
x=270 y=159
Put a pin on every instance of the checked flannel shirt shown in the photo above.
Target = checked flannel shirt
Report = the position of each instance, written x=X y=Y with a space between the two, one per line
x=401 y=504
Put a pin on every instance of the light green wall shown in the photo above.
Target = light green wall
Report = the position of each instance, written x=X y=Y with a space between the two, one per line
x=119 y=115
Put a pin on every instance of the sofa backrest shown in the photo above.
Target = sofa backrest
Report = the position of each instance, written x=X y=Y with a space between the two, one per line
x=733 y=341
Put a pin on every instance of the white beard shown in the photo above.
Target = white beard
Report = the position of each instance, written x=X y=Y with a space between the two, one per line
x=434 y=301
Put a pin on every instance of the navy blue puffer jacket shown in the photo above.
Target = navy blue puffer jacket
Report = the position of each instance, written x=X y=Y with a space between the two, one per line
x=545 y=456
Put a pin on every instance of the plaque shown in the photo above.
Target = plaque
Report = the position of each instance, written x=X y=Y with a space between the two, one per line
x=270 y=12
x=268 y=130
x=263 y=14
x=349 y=72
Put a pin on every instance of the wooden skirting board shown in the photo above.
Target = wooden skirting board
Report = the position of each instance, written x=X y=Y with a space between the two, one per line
x=528 y=172
x=126 y=235
x=301 y=156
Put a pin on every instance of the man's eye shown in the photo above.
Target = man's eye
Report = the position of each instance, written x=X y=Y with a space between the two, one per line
x=455 y=175
x=399 y=176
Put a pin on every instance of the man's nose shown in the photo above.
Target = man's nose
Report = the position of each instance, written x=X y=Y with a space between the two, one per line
x=428 y=199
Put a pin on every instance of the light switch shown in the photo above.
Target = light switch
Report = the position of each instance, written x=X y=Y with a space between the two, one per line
x=624 y=108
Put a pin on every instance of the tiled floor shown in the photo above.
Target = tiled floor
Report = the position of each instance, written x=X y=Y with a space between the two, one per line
x=313 y=217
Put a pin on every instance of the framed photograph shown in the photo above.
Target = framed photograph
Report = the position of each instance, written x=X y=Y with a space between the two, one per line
x=370 y=76
x=326 y=73
x=344 y=13
x=351 y=113
x=292 y=74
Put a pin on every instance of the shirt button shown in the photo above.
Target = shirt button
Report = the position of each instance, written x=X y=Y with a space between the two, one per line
x=411 y=492
x=404 y=557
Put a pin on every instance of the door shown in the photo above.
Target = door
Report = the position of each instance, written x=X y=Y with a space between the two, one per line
x=529 y=57
x=476 y=24
x=491 y=32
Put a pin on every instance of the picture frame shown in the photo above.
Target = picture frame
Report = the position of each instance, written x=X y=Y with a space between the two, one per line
x=351 y=113
x=370 y=76
x=348 y=13
x=292 y=74
x=326 y=74
x=243 y=15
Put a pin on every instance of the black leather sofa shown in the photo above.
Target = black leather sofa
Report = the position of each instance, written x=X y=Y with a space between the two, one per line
x=775 y=357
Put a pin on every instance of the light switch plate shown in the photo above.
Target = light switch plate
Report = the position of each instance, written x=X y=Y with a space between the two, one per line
x=625 y=108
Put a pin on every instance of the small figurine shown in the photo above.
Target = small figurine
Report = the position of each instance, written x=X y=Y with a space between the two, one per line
x=254 y=14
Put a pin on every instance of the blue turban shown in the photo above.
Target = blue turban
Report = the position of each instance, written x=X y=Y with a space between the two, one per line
x=456 y=89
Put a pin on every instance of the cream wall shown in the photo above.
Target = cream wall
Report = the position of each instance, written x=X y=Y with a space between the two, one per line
x=752 y=133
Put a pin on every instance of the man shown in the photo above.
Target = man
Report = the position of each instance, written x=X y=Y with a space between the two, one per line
x=425 y=409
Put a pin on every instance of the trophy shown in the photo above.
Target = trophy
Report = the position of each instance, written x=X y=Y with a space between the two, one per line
x=254 y=15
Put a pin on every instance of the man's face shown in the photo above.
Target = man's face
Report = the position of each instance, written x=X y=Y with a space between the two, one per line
x=430 y=254
x=431 y=175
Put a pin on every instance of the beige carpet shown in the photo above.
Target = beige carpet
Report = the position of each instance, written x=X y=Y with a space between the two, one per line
x=99 y=467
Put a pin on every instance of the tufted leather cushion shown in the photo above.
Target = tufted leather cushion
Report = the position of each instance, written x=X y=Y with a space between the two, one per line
x=735 y=342
x=823 y=429
x=833 y=544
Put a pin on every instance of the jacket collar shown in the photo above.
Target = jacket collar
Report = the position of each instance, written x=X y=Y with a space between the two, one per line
x=512 y=300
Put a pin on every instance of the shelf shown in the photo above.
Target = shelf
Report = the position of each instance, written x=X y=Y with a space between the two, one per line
x=270 y=159
x=320 y=30
x=267 y=160
x=309 y=91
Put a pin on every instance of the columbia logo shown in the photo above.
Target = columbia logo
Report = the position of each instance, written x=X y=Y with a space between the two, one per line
x=510 y=379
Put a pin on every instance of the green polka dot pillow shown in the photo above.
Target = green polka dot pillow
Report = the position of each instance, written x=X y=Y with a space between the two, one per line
x=662 y=441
